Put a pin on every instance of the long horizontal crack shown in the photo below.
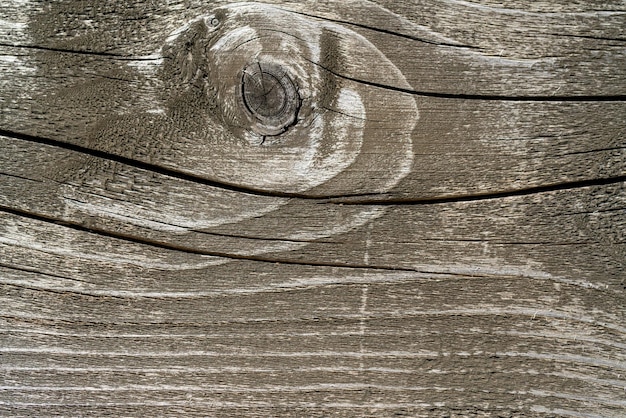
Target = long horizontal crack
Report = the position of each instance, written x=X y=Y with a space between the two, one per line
x=19 y=177
x=381 y=199
x=595 y=38
x=62 y=292
x=189 y=250
x=487 y=97
x=595 y=150
x=487 y=196
x=258 y=238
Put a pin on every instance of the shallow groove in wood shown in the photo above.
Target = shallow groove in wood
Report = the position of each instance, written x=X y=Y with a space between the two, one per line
x=525 y=315
x=548 y=357
x=79 y=52
x=37 y=331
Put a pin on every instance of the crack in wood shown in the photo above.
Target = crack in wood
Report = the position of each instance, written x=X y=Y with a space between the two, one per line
x=385 y=31
x=486 y=97
x=258 y=238
x=145 y=166
x=595 y=38
x=20 y=177
x=595 y=150
x=62 y=291
x=382 y=199
x=190 y=250
x=37 y=271
x=487 y=196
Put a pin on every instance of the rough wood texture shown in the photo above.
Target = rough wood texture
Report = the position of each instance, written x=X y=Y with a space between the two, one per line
x=338 y=208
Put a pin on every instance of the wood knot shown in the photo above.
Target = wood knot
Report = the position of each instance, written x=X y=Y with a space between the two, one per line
x=269 y=97
x=273 y=101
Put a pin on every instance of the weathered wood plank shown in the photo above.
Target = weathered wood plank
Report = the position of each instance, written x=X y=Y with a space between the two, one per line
x=439 y=230
x=249 y=293
x=536 y=348
x=528 y=137
x=564 y=232
x=453 y=147
x=353 y=330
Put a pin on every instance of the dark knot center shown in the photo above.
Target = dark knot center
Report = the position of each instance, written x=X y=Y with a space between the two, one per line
x=270 y=97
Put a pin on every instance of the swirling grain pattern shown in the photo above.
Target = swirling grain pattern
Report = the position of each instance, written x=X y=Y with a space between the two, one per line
x=338 y=208
x=330 y=133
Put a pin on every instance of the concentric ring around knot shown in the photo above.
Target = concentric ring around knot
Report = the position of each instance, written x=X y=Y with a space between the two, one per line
x=270 y=98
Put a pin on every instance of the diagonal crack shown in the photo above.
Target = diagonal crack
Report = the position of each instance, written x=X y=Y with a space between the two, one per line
x=380 y=30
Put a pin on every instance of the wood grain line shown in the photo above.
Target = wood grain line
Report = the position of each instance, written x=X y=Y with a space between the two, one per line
x=111 y=55
x=523 y=313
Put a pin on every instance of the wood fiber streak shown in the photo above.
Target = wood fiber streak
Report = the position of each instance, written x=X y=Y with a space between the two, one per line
x=437 y=228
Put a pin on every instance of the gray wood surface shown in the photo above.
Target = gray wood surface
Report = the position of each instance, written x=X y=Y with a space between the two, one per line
x=439 y=230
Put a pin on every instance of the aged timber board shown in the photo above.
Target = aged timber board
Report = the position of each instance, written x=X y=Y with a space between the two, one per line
x=318 y=208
